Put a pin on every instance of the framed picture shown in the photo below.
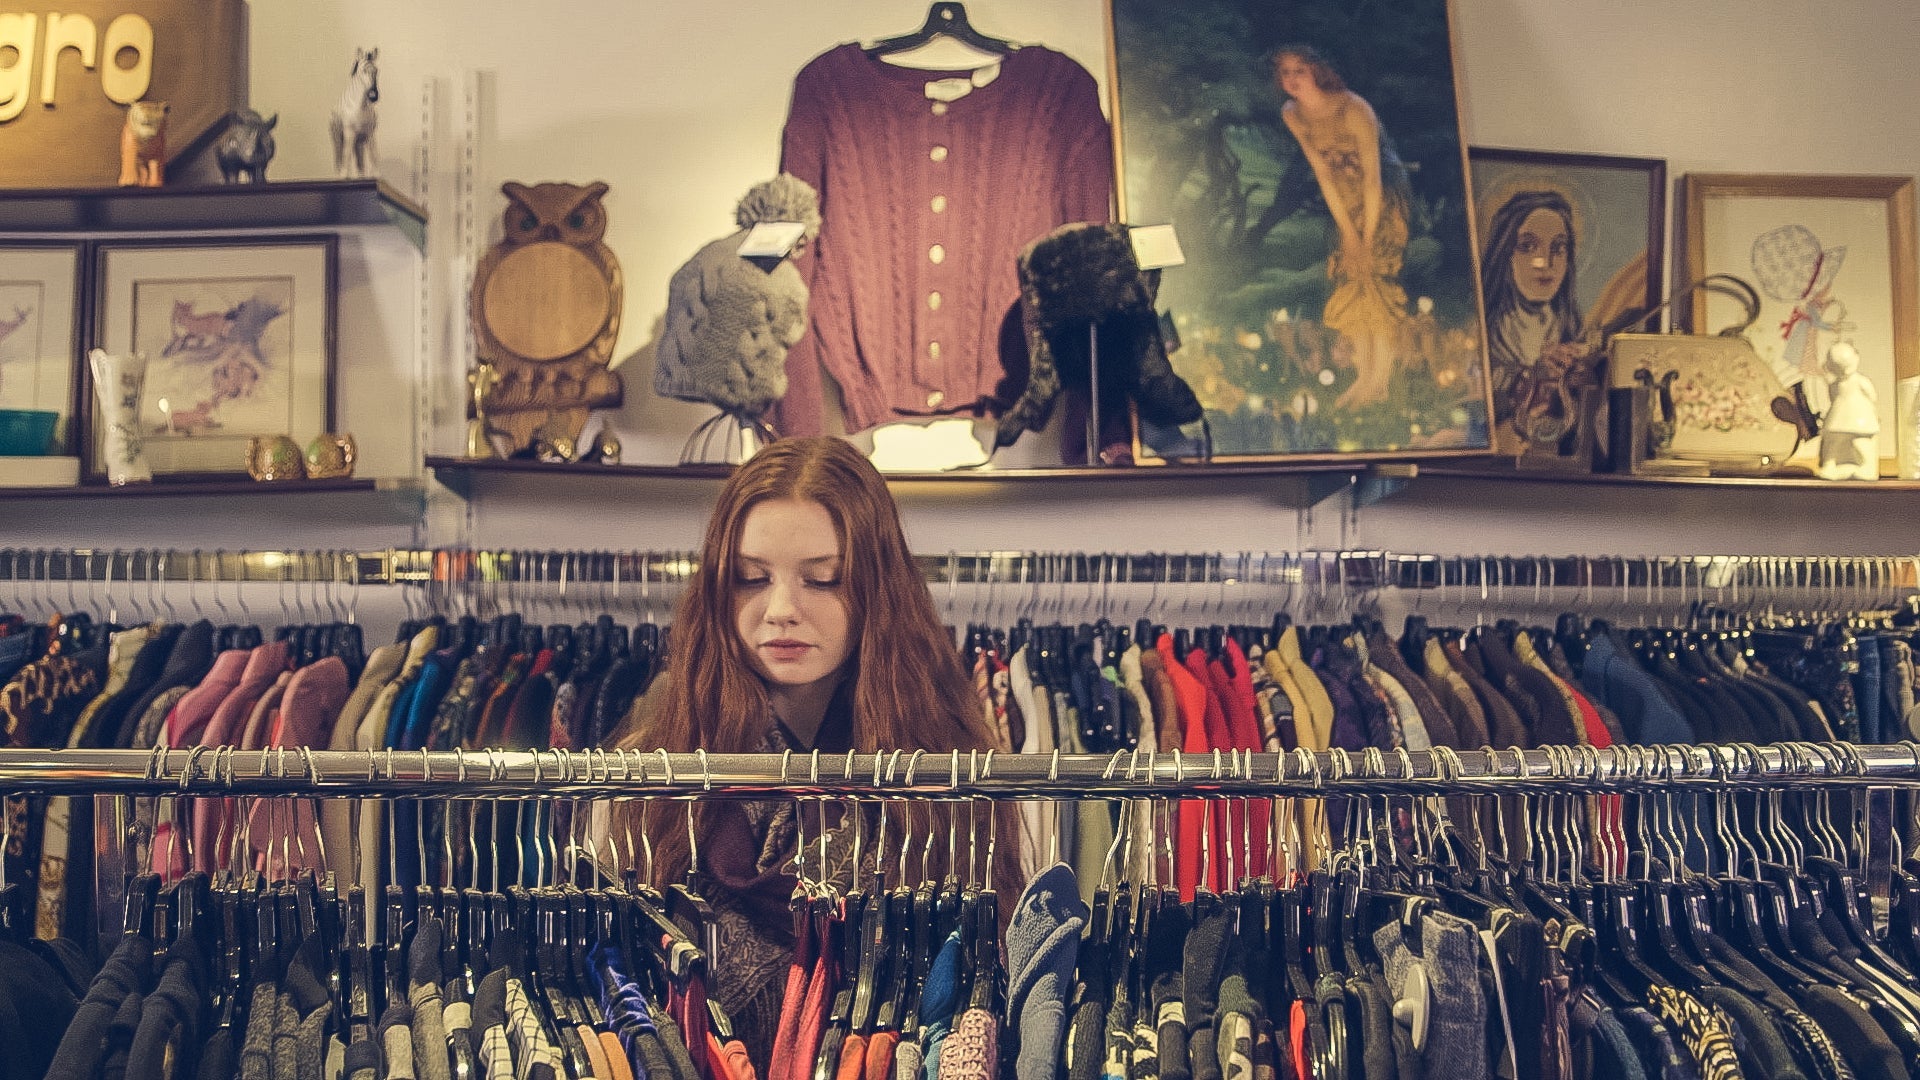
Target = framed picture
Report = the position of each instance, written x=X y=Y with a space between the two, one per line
x=1569 y=243
x=1832 y=258
x=1309 y=158
x=239 y=339
x=41 y=322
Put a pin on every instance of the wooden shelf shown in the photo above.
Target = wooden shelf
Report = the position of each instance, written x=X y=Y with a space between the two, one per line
x=1232 y=470
x=219 y=488
x=1299 y=485
x=294 y=204
x=1501 y=474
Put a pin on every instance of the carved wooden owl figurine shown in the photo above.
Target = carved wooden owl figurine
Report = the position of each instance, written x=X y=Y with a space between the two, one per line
x=546 y=305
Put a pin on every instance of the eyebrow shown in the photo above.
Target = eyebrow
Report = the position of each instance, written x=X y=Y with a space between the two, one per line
x=817 y=560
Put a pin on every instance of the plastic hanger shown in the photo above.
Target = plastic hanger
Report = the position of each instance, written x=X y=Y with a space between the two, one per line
x=874 y=927
x=944 y=19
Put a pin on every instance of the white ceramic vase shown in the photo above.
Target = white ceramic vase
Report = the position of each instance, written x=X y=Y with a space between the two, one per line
x=118 y=382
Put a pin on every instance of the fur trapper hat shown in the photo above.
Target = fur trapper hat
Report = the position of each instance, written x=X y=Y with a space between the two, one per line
x=1080 y=276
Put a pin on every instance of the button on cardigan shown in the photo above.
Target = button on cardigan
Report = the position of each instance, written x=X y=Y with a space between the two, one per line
x=916 y=201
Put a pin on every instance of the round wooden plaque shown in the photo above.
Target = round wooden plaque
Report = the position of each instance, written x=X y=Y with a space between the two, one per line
x=546 y=300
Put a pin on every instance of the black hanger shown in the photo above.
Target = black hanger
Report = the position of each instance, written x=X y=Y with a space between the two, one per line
x=1903 y=922
x=1842 y=892
x=230 y=976
x=141 y=893
x=1623 y=966
x=873 y=949
x=359 y=988
x=899 y=961
x=581 y=915
x=924 y=913
x=944 y=19
x=986 y=953
x=840 y=1011
x=1328 y=955
x=552 y=975
x=1677 y=951
x=1290 y=919
x=393 y=943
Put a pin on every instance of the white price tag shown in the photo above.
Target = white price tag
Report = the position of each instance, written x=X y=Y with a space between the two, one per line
x=771 y=239
x=1156 y=246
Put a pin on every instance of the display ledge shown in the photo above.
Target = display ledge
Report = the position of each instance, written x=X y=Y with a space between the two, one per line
x=1310 y=483
x=216 y=488
x=1473 y=471
x=293 y=204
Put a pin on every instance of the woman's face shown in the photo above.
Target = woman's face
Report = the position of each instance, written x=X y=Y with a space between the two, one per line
x=790 y=608
x=1540 y=255
x=1293 y=75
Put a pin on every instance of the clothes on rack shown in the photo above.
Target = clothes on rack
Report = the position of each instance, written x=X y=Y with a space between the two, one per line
x=454 y=683
x=451 y=684
x=1098 y=688
x=1730 y=939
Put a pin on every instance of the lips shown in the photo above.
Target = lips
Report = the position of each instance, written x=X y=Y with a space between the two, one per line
x=785 y=649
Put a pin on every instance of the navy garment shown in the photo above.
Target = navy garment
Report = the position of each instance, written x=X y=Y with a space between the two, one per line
x=37 y=1003
x=1611 y=675
x=407 y=729
x=128 y=972
x=15 y=651
x=1866 y=691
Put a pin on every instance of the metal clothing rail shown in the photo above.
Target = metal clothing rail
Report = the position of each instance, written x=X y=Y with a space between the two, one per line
x=957 y=775
x=1490 y=576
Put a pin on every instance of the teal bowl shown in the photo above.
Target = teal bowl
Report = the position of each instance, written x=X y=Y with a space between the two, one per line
x=27 y=432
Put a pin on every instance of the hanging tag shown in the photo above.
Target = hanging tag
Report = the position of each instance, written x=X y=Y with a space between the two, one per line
x=771 y=239
x=1500 y=992
x=1156 y=246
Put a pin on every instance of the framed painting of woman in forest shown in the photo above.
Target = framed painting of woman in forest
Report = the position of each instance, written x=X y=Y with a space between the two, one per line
x=1569 y=244
x=1309 y=158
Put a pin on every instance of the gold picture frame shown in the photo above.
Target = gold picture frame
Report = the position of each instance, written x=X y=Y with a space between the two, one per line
x=1311 y=331
x=1833 y=258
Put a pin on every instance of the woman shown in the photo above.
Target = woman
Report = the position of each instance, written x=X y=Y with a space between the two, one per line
x=1365 y=187
x=1533 y=322
x=806 y=627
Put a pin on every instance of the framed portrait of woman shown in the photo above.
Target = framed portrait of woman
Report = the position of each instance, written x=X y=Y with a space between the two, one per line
x=1569 y=244
x=1309 y=159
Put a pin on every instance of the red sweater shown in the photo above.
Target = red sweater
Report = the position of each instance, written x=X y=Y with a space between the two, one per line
x=1005 y=164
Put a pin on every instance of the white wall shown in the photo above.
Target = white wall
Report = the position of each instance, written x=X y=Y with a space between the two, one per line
x=679 y=108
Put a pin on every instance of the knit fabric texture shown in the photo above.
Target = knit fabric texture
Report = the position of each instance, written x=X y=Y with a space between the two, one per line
x=907 y=1060
x=1456 y=1007
x=430 y=1059
x=730 y=319
x=973 y=1050
x=1043 y=947
x=918 y=198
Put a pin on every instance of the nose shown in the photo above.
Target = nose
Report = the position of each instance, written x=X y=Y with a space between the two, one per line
x=1540 y=262
x=782 y=608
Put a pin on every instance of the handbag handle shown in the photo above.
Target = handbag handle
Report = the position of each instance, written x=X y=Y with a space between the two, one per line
x=1725 y=284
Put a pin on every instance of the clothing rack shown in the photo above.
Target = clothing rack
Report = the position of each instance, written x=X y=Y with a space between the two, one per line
x=1488 y=575
x=950 y=776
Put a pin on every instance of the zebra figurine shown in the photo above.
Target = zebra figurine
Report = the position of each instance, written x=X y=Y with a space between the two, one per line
x=354 y=120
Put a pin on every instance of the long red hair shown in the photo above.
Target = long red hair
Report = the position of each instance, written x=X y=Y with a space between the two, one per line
x=909 y=688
